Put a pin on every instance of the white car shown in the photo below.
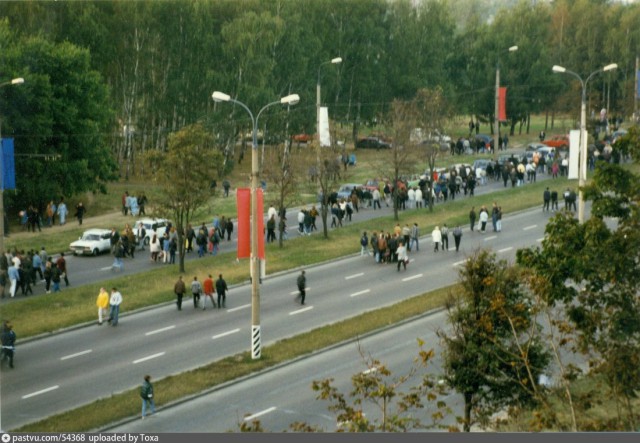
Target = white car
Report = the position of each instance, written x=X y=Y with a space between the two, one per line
x=151 y=226
x=92 y=242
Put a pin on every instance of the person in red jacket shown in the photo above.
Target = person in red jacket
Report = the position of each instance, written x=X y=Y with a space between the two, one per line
x=209 y=290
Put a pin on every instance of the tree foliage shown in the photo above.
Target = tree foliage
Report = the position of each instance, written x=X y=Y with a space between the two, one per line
x=492 y=355
x=184 y=172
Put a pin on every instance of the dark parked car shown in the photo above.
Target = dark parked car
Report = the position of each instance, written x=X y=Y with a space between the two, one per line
x=372 y=142
x=488 y=141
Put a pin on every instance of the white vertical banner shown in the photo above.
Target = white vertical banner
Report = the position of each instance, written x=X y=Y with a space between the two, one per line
x=574 y=153
x=325 y=136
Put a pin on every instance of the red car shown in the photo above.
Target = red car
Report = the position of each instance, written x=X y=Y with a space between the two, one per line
x=302 y=138
x=558 y=142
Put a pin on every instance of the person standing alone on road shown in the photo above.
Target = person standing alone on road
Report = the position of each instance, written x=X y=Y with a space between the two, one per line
x=103 y=304
x=457 y=236
x=472 y=217
x=302 y=286
x=436 y=236
x=221 y=289
x=179 y=289
x=61 y=263
x=546 y=198
x=146 y=393
x=115 y=301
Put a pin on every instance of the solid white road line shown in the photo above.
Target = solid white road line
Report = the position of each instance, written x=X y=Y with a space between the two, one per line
x=300 y=311
x=505 y=249
x=106 y=268
x=529 y=227
x=77 y=354
x=42 y=391
x=493 y=237
x=150 y=357
x=413 y=277
x=258 y=414
x=355 y=294
x=224 y=334
x=349 y=277
x=157 y=331
x=239 y=308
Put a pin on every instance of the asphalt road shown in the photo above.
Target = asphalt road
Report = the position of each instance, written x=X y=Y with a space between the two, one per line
x=90 y=270
x=77 y=367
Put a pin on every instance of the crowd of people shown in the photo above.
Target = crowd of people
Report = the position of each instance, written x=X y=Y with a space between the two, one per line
x=20 y=271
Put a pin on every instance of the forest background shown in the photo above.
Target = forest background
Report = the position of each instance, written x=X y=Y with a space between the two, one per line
x=109 y=81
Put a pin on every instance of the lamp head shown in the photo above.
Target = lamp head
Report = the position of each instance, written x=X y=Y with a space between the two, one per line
x=610 y=67
x=20 y=80
x=557 y=68
x=513 y=48
x=336 y=60
x=220 y=97
x=292 y=99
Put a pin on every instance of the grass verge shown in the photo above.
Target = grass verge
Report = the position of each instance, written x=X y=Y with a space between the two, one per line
x=172 y=389
x=77 y=305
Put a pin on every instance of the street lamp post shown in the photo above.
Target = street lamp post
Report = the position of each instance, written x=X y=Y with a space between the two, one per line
x=15 y=81
x=582 y=173
x=255 y=260
x=496 y=134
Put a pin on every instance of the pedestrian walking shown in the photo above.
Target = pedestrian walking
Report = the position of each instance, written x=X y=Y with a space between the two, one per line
x=499 y=222
x=179 y=289
x=103 y=303
x=364 y=244
x=444 y=231
x=554 y=200
x=61 y=263
x=472 y=217
x=484 y=218
x=403 y=257
x=302 y=286
x=80 y=210
x=415 y=235
x=436 y=236
x=221 y=289
x=546 y=199
x=196 y=290
x=146 y=393
x=457 y=236
x=114 y=301
x=208 y=290
x=8 y=339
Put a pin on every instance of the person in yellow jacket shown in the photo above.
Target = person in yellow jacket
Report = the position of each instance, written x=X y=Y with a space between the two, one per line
x=103 y=304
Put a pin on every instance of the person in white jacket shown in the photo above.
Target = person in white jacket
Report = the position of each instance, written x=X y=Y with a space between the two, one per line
x=436 y=236
x=403 y=257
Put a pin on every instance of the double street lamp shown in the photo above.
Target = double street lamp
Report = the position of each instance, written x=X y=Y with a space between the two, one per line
x=582 y=173
x=15 y=81
x=496 y=134
x=255 y=260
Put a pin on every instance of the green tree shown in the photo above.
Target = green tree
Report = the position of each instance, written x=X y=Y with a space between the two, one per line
x=491 y=354
x=184 y=172
x=62 y=112
x=593 y=274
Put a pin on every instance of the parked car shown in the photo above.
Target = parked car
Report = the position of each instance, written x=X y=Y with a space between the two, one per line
x=302 y=138
x=372 y=143
x=92 y=242
x=482 y=163
x=618 y=134
x=558 y=141
x=535 y=146
x=548 y=152
x=345 y=190
x=371 y=185
x=151 y=226
x=488 y=141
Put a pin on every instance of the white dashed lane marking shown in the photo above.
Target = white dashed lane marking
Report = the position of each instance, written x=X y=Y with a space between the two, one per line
x=77 y=354
x=150 y=357
x=239 y=308
x=300 y=311
x=258 y=414
x=529 y=227
x=42 y=391
x=349 y=277
x=355 y=294
x=505 y=249
x=413 y=277
x=224 y=334
x=493 y=237
x=157 y=331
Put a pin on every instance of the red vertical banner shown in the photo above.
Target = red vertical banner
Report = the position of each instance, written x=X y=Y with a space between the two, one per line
x=502 y=104
x=243 y=201
x=260 y=219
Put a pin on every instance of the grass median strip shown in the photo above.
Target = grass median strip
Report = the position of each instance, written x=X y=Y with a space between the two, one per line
x=171 y=389
x=74 y=306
